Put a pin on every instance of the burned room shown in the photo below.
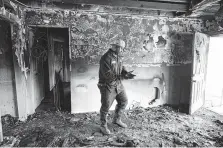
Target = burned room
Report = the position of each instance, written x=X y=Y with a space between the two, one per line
x=101 y=73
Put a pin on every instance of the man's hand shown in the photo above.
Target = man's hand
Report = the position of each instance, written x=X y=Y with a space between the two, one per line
x=129 y=75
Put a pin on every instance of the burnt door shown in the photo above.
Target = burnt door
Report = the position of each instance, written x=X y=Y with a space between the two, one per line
x=56 y=60
x=37 y=44
x=199 y=69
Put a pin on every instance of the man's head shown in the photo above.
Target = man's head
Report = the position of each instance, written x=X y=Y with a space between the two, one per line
x=118 y=46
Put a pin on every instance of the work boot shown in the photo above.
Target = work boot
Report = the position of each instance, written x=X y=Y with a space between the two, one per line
x=120 y=123
x=104 y=129
x=117 y=120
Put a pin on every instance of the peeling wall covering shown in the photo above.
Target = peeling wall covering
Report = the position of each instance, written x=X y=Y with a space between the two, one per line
x=19 y=43
x=149 y=40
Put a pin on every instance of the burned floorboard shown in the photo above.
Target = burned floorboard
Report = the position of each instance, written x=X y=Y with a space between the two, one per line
x=159 y=126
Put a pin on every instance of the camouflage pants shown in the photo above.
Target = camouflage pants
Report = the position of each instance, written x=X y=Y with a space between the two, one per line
x=108 y=95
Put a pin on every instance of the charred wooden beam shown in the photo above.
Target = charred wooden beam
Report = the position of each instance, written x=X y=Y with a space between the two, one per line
x=22 y=5
x=203 y=8
x=204 y=4
x=7 y=4
x=133 y=4
x=163 y=5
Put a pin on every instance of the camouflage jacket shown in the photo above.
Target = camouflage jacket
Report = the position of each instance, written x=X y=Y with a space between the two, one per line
x=111 y=69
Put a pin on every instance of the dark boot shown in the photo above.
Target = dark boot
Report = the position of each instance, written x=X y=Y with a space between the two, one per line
x=104 y=127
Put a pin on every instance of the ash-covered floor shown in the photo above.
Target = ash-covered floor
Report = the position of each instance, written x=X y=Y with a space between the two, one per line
x=158 y=127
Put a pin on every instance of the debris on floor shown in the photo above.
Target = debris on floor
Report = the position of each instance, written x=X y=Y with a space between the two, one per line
x=161 y=126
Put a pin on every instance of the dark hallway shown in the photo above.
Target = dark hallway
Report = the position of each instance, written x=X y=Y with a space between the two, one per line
x=51 y=54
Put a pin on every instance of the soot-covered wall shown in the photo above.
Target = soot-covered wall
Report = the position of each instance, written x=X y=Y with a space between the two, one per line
x=159 y=50
x=7 y=80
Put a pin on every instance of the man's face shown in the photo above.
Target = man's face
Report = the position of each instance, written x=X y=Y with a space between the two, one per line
x=119 y=49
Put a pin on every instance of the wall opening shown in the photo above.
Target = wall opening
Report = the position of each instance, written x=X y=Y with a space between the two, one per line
x=51 y=66
x=156 y=95
x=214 y=77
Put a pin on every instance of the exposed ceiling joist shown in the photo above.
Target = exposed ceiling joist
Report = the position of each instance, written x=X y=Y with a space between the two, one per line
x=134 y=4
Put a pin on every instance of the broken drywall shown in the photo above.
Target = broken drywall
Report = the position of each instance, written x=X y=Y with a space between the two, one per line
x=19 y=46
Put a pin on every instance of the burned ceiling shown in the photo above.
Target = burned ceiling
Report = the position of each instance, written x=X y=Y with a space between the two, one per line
x=173 y=8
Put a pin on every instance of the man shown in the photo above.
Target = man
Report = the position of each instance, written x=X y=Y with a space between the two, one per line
x=111 y=72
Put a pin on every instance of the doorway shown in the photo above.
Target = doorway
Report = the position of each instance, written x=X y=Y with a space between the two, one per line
x=214 y=78
x=51 y=74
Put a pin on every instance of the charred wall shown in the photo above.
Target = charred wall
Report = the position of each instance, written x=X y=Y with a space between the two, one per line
x=8 y=103
x=158 y=49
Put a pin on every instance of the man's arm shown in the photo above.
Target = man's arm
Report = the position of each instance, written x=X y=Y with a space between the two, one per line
x=106 y=68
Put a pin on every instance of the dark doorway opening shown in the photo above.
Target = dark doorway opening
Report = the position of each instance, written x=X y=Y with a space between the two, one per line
x=50 y=53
